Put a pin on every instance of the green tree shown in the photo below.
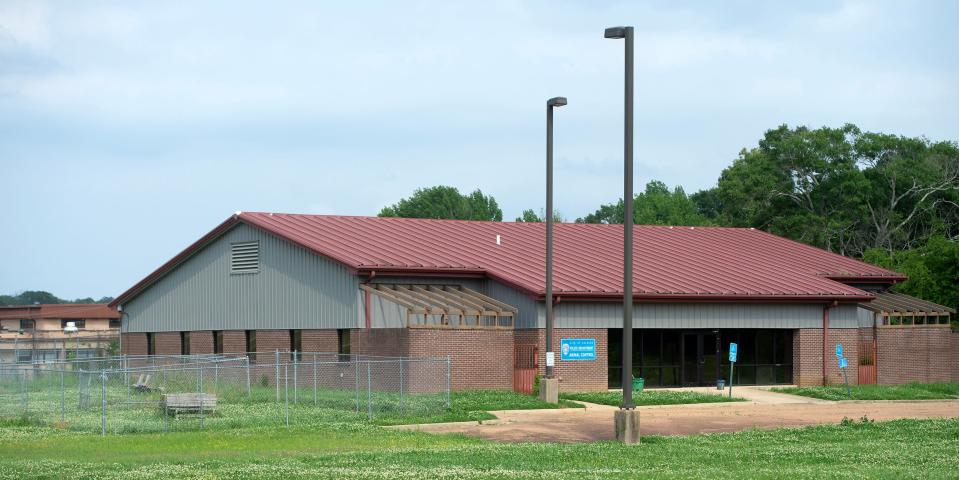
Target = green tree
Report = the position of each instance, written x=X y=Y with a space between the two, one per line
x=531 y=216
x=443 y=202
x=656 y=205
x=933 y=269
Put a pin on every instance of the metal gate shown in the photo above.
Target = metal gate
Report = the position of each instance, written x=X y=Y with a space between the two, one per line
x=525 y=367
x=867 y=357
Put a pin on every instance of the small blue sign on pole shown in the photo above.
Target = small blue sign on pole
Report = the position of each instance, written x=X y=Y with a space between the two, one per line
x=839 y=350
x=577 y=349
x=842 y=362
x=733 y=350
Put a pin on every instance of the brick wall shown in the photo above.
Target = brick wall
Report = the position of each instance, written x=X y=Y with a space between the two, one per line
x=234 y=341
x=577 y=375
x=319 y=341
x=268 y=342
x=807 y=356
x=201 y=342
x=392 y=342
x=917 y=354
x=167 y=343
x=134 y=344
x=481 y=359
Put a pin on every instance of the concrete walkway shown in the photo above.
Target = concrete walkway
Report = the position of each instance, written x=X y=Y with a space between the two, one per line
x=595 y=422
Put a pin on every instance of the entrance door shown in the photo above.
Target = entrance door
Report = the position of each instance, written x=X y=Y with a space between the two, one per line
x=525 y=367
x=700 y=359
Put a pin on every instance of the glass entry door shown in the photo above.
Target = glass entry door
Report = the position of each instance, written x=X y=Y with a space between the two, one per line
x=700 y=360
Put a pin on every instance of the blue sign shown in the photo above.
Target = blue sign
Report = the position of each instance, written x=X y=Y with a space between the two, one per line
x=842 y=362
x=577 y=349
x=839 y=350
x=733 y=350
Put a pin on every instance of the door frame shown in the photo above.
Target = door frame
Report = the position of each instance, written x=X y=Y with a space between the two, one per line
x=698 y=375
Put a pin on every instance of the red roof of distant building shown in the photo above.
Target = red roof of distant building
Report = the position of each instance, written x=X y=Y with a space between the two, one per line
x=681 y=263
x=59 y=310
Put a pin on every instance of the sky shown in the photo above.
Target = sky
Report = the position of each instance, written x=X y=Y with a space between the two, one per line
x=130 y=129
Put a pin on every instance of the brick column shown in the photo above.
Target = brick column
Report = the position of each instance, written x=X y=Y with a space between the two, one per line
x=167 y=343
x=134 y=344
x=201 y=342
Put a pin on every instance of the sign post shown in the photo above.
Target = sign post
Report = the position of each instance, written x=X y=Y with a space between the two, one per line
x=733 y=350
x=842 y=367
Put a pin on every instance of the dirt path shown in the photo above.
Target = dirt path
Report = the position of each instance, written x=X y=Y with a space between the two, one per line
x=596 y=421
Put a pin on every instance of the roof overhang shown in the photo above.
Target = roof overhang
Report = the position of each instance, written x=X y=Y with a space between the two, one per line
x=900 y=304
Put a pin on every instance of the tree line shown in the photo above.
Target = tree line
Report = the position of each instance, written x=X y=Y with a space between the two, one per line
x=31 y=297
x=888 y=199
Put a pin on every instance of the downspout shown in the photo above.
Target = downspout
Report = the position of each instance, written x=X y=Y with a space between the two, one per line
x=825 y=336
x=367 y=302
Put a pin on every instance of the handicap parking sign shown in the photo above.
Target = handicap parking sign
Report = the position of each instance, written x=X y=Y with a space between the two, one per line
x=733 y=348
x=839 y=350
x=842 y=362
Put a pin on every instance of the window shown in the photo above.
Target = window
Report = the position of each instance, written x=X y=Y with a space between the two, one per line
x=114 y=323
x=151 y=344
x=185 y=343
x=343 y=344
x=217 y=342
x=79 y=323
x=26 y=324
x=244 y=257
x=251 y=344
x=296 y=344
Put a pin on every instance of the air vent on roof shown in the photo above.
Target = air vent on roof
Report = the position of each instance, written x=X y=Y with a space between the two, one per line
x=245 y=257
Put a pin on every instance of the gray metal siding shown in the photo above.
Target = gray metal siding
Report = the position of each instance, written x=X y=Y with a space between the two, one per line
x=293 y=289
x=528 y=308
x=700 y=315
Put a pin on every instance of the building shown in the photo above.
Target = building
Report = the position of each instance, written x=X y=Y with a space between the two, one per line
x=474 y=291
x=36 y=332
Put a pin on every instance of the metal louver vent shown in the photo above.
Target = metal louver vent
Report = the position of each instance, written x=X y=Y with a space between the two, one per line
x=245 y=257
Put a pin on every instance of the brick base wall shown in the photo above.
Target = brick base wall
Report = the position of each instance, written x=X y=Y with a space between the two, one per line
x=201 y=342
x=807 y=356
x=134 y=344
x=481 y=359
x=234 y=341
x=167 y=343
x=319 y=341
x=917 y=354
x=268 y=342
x=577 y=375
x=391 y=342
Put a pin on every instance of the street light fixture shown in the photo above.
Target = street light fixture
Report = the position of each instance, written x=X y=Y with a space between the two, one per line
x=71 y=327
x=550 y=392
x=626 y=33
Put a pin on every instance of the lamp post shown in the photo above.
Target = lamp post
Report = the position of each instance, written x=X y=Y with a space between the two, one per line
x=627 y=419
x=550 y=392
x=626 y=33
x=72 y=328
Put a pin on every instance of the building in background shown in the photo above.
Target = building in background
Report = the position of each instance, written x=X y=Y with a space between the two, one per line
x=34 y=333
x=262 y=282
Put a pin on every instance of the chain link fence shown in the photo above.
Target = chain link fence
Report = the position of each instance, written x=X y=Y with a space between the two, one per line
x=161 y=393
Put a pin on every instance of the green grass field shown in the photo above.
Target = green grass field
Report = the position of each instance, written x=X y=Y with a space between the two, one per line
x=648 y=397
x=911 y=391
x=336 y=449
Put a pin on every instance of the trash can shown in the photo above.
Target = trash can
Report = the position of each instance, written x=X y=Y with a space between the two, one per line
x=720 y=384
x=638 y=384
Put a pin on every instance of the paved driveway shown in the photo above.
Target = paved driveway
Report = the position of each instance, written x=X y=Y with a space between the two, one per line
x=596 y=421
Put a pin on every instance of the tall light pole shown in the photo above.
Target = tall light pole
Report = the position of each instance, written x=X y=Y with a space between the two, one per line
x=550 y=355
x=626 y=33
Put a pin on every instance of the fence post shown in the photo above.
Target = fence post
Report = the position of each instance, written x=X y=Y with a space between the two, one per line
x=276 y=377
x=199 y=380
x=296 y=378
x=448 y=368
x=369 y=392
x=103 y=403
x=62 y=399
x=356 y=384
x=23 y=392
x=286 y=393
x=314 y=379
x=216 y=376
x=249 y=391
x=401 y=383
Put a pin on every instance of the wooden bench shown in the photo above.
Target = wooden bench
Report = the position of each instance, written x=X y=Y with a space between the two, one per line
x=190 y=403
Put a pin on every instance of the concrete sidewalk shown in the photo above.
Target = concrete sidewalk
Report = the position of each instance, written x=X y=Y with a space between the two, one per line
x=595 y=422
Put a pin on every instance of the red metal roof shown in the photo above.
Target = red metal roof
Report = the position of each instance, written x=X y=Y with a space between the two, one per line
x=671 y=263
x=59 y=311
